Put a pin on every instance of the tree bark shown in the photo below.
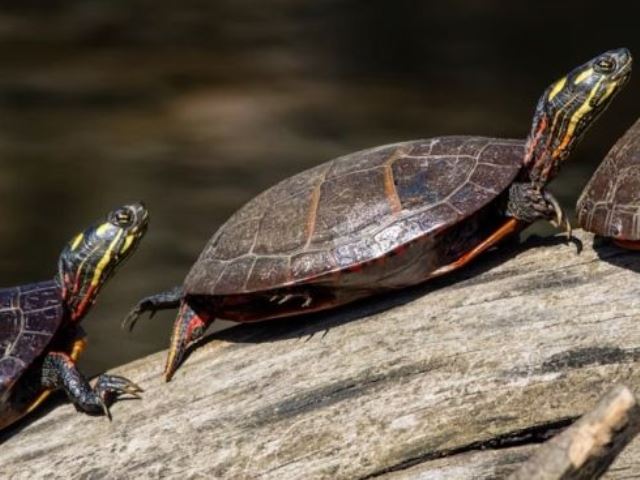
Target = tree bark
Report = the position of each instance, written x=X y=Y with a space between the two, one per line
x=461 y=378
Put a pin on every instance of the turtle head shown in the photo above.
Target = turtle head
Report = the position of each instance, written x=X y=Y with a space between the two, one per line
x=92 y=256
x=567 y=109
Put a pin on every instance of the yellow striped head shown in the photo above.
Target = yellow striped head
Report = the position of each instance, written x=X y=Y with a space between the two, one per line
x=92 y=256
x=567 y=109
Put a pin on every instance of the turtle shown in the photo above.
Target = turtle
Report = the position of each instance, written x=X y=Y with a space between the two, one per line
x=40 y=335
x=610 y=202
x=385 y=218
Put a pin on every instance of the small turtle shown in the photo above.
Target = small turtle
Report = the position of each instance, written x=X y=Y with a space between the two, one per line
x=40 y=336
x=610 y=203
x=385 y=218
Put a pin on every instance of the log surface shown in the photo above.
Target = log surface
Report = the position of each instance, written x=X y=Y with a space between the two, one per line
x=461 y=378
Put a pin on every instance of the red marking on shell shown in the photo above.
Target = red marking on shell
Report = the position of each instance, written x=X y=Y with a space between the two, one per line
x=628 y=244
x=389 y=186
x=313 y=211
x=610 y=202
x=400 y=250
x=355 y=222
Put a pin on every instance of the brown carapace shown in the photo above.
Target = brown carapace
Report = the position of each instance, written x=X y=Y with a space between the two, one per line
x=385 y=218
x=610 y=203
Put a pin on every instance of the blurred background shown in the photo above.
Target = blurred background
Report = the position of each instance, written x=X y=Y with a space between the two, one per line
x=197 y=106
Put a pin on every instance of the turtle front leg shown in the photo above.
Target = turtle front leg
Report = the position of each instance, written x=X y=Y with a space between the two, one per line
x=59 y=371
x=153 y=303
x=529 y=203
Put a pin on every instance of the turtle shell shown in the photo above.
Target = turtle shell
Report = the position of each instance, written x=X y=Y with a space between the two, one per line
x=610 y=203
x=352 y=210
x=30 y=315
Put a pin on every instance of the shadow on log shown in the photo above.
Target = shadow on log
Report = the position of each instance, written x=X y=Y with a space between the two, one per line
x=463 y=378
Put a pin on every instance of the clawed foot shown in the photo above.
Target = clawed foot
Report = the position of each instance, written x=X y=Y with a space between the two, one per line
x=284 y=298
x=144 y=305
x=529 y=202
x=560 y=221
x=109 y=387
x=160 y=301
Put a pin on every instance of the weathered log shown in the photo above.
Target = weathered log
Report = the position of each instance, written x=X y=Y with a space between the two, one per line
x=461 y=378
x=585 y=450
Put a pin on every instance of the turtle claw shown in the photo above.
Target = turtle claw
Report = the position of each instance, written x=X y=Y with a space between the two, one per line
x=281 y=299
x=105 y=409
x=110 y=387
x=130 y=320
x=151 y=304
x=132 y=317
x=561 y=219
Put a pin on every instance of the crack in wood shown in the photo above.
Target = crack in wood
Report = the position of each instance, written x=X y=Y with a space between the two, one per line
x=457 y=380
x=517 y=438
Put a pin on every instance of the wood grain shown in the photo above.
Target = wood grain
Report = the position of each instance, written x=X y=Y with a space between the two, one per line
x=462 y=378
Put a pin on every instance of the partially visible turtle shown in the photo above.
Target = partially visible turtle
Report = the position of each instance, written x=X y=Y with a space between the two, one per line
x=610 y=203
x=40 y=336
x=385 y=218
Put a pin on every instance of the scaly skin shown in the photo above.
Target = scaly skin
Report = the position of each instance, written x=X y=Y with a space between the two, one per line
x=85 y=264
x=399 y=172
x=59 y=371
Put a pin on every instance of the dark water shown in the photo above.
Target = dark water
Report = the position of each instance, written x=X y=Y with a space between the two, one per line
x=195 y=108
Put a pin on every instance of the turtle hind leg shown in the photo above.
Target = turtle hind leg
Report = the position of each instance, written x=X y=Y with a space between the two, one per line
x=153 y=303
x=510 y=227
x=188 y=328
x=60 y=372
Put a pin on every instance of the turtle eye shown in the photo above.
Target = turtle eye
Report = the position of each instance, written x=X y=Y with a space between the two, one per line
x=123 y=217
x=605 y=65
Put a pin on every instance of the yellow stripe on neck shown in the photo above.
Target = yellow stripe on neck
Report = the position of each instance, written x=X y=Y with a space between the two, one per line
x=557 y=88
x=608 y=91
x=102 y=229
x=583 y=76
x=105 y=260
x=575 y=118
x=76 y=241
x=127 y=244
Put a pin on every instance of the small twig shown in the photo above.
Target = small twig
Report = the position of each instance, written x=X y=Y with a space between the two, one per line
x=587 y=448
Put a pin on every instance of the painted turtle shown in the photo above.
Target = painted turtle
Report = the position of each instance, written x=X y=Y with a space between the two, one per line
x=40 y=336
x=384 y=218
x=610 y=203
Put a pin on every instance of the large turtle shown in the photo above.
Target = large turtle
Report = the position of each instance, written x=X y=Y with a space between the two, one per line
x=40 y=336
x=385 y=218
x=610 y=203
